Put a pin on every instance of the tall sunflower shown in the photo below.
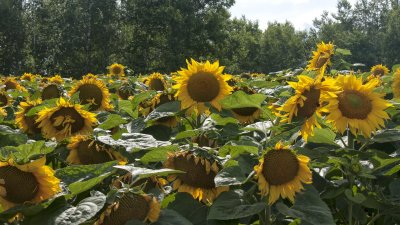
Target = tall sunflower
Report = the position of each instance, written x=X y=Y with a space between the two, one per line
x=116 y=69
x=357 y=106
x=379 y=70
x=56 y=79
x=308 y=102
x=51 y=91
x=28 y=77
x=131 y=206
x=27 y=123
x=198 y=179
x=86 y=150
x=281 y=173
x=201 y=83
x=156 y=81
x=94 y=92
x=32 y=182
x=321 y=58
x=396 y=84
x=65 y=120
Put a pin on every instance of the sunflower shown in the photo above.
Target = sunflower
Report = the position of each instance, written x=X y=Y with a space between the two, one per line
x=11 y=83
x=201 y=83
x=90 y=76
x=27 y=123
x=5 y=99
x=308 y=102
x=321 y=58
x=246 y=115
x=32 y=182
x=65 y=120
x=93 y=92
x=86 y=150
x=379 y=70
x=27 y=77
x=198 y=179
x=51 y=91
x=357 y=106
x=159 y=99
x=204 y=141
x=396 y=84
x=116 y=70
x=156 y=81
x=281 y=173
x=131 y=206
x=56 y=79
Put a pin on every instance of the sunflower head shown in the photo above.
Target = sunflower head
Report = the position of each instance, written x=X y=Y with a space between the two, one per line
x=27 y=77
x=11 y=83
x=379 y=70
x=116 y=69
x=51 y=91
x=86 y=150
x=234 y=80
x=56 y=79
x=65 y=120
x=93 y=92
x=90 y=76
x=322 y=57
x=5 y=99
x=198 y=179
x=131 y=206
x=201 y=83
x=32 y=182
x=27 y=123
x=156 y=82
x=203 y=140
x=357 y=106
x=281 y=173
x=396 y=84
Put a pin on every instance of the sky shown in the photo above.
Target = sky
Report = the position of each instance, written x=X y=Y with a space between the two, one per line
x=300 y=13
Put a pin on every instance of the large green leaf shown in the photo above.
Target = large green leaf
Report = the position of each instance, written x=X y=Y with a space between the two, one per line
x=26 y=152
x=133 y=141
x=323 y=136
x=236 y=150
x=171 y=217
x=389 y=135
x=113 y=120
x=140 y=173
x=158 y=154
x=82 y=186
x=164 y=110
x=11 y=137
x=240 y=99
x=191 y=209
x=232 y=175
x=126 y=106
x=233 y=205
x=309 y=208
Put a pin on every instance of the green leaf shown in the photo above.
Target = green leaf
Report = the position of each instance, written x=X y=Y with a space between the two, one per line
x=222 y=121
x=232 y=205
x=357 y=198
x=85 y=210
x=10 y=137
x=240 y=99
x=133 y=141
x=232 y=175
x=126 y=106
x=323 y=136
x=141 y=97
x=164 y=110
x=389 y=135
x=191 y=209
x=48 y=103
x=82 y=186
x=158 y=154
x=171 y=217
x=26 y=152
x=343 y=51
x=140 y=173
x=284 y=132
x=309 y=208
x=236 y=150
x=395 y=67
x=186 y=134
x=113 y=120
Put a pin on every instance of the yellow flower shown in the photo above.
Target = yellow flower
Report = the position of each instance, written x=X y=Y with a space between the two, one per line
x=357 y=106
x=321 y=58
x=396 y=84
x=379 y=70
x=27 y=123
x=131 y=207
x=281 y=173
x=27 y=77
x=65 y=120
x=56 y=79
x=90 y=76
x=246 y=115
x=156 y=81
x=85 y=150
x=116 y=70
x=199 y=177
x=5 y=99
x=201 y=83
x=93 y=92
x=51 y=91
x=308 y=102
x=11 y=83
x=32 y=182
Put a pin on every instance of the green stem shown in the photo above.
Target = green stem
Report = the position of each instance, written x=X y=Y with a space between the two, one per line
x=268 y=215
x=350 y=202
x=350 y=139
x=372 y=221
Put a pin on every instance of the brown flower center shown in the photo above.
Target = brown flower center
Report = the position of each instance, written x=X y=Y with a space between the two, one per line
x=196 y=174
x=31 y=122
x=89 y=152
x=116 y=70
x=280 y=166
x=91 y=94
x=130 y=207
x=3 y=100
x=123 y=92
x=378 y=72
x=69 y=118
x=203 y=87
x=245 y=111
x=10 y=85
x=354 y=104
x=20 y=186
x=310 y=104
x=51 y=91
x=156 y=84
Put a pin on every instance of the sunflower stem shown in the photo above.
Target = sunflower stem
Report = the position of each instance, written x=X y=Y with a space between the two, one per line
x=350 y=139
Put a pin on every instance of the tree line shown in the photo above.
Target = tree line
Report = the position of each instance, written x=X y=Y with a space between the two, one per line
x=75 y=37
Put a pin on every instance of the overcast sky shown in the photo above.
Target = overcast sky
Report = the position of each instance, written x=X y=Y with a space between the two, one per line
x=300 y=12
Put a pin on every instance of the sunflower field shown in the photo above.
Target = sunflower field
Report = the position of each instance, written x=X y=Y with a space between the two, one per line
x=199 y=146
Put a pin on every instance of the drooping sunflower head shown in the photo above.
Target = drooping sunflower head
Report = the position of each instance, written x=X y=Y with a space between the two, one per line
x=51 y=91
x=396 y=84
x=11 y=83
x=85 y=150
x=56 y=79
x=282 y=173
x=131 y=206
x=322 y=57
x=379 y=70
x=27 y=77
x=27 y=123
x=125 y=91
x=246 y=115
x=32 y=182
x=234 y=80
x=201 y=83
x=199 y=177
x=65 y=120
x=156 y=82
x=116 y=69
x=93 y=92
x=5 y=99
x=203 y=140
x=357 y=106
x=308 y=102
